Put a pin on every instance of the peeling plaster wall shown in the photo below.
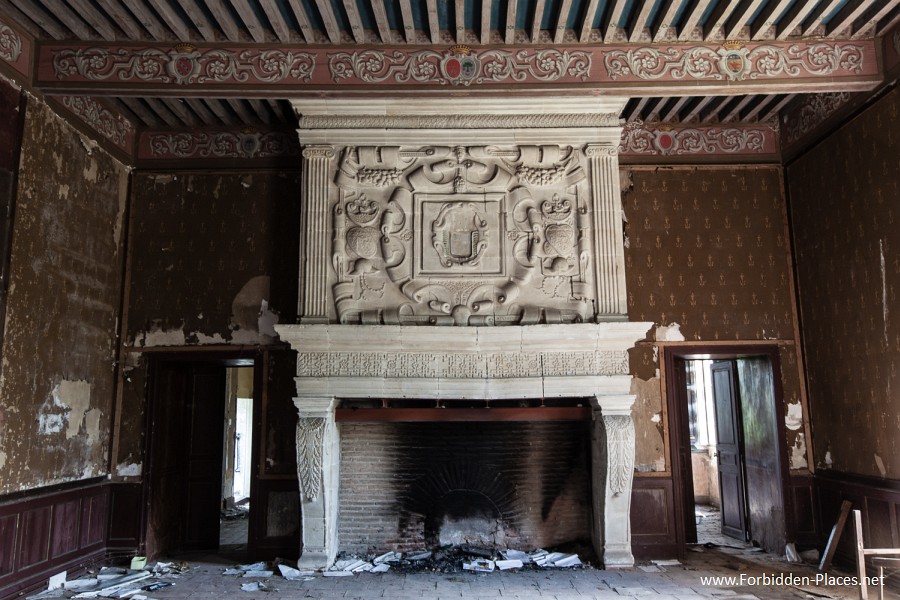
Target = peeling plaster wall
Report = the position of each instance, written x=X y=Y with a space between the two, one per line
x=214 y=257
x=56 y=387
x=707 y=259
x=844 y=205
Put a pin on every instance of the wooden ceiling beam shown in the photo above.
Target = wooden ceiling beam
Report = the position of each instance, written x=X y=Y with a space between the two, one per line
x=95 y=19
x=612 y=22
x=172 y=19
x=356 y=25
x=842 y=23
x=639 y=108
x=40 y=18
x=409 y=26
x=149 y=22
x=202 y=111
x=639 y=22
x=539 y=7
x=672 y=113
x=510 y=33
x=794 y=18
x=220 y=109
x=776 y=107
x=306 y=28
x=735 y=111
x=251 y=21
x=165 y=113
x=330 y=20
x=819 y=14
x=459 y=21
x=765 y=22
x=68 y=18
x=381 y=20
x=697 y=108
x=225 y=20
x=487 y=8
x=247 y=116
x=434 y=23
x=20 y=18
x=282 y=115
x=692 y=19
x=588 y=23
x=277 y=21
x=143 y=114
x=665 y=20
x=716 y=21
x=761 y=103
x=560 y=34
x=869 y=23
x=262 y=110
x=178 y=108
x=198 y=18
x=889 y=24
x=741 y=18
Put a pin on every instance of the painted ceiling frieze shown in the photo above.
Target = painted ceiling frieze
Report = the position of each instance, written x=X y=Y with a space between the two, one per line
x=14 y=49
x=735 y=62
x=460 y=66
x=183 y=64
x=644 y=139
x=111 y=126
x=218 y=144
x=812 y=110
x=783 y=67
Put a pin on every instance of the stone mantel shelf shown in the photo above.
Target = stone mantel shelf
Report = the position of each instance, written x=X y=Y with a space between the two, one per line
x=582 y=337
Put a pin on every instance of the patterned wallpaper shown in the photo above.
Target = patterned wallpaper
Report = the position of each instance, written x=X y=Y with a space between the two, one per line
x=207 y=248
x=707 y=250
x=843 y=195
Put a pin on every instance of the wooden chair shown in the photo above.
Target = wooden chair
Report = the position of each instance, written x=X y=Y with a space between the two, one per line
x=881 y=558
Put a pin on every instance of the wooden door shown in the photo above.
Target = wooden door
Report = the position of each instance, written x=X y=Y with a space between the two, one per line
x=683 y=448
x=729 y=448
x=204 y=412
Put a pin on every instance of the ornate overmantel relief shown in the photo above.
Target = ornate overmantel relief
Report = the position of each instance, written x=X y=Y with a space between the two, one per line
x=462 y=212
x=462 y=248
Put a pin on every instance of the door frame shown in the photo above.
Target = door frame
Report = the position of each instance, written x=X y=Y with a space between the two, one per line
x=152 y=436
x=677 y=425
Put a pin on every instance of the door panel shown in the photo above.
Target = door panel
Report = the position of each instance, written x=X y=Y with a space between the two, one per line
x=205 y=414
x=729 y=449
x=683 y=448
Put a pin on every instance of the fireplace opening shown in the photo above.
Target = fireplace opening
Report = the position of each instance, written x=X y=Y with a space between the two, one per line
x=465 y=517
x=424 y=485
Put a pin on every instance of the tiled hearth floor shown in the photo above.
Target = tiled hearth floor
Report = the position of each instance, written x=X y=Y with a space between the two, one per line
x=204 y=581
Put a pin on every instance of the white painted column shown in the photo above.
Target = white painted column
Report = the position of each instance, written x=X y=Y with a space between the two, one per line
x=315 y=251
x=612 y=449
x=318 y=469
x=609 y=254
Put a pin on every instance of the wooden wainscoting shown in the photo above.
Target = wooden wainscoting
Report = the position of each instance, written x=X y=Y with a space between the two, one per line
x=47 y=532
x=653 y=527
x=879 y=501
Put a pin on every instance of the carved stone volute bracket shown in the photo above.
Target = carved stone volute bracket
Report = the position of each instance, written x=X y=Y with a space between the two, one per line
x=613 y=463
x=318 y=459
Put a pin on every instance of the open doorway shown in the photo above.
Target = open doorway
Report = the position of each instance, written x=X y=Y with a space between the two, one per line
x=198 y=471
x=727 y=446
x=238 y=434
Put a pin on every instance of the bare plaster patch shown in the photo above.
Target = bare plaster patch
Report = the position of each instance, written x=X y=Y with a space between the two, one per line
x=672 y=333
x=202 y=338
x=64 y=192
x=880 y=464
x=2 y=459
x=92 y=425
x=267 y=320
x=129 y=469
x=157 y=336
x=90 y=172
x=77 y=396
x=794 y=418
x=798 y=453
x=647 y=412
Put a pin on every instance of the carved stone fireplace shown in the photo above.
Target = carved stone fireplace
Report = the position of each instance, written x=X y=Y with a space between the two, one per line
x=462 y=250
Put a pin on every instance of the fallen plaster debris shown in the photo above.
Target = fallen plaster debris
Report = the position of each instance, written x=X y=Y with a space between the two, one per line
x=668 y=562
x=293 y=574
x=480 y=566
x=505 y=565
x=256 y=586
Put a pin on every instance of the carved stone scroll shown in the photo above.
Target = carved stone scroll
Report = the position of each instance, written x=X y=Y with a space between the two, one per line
x=620 y=445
